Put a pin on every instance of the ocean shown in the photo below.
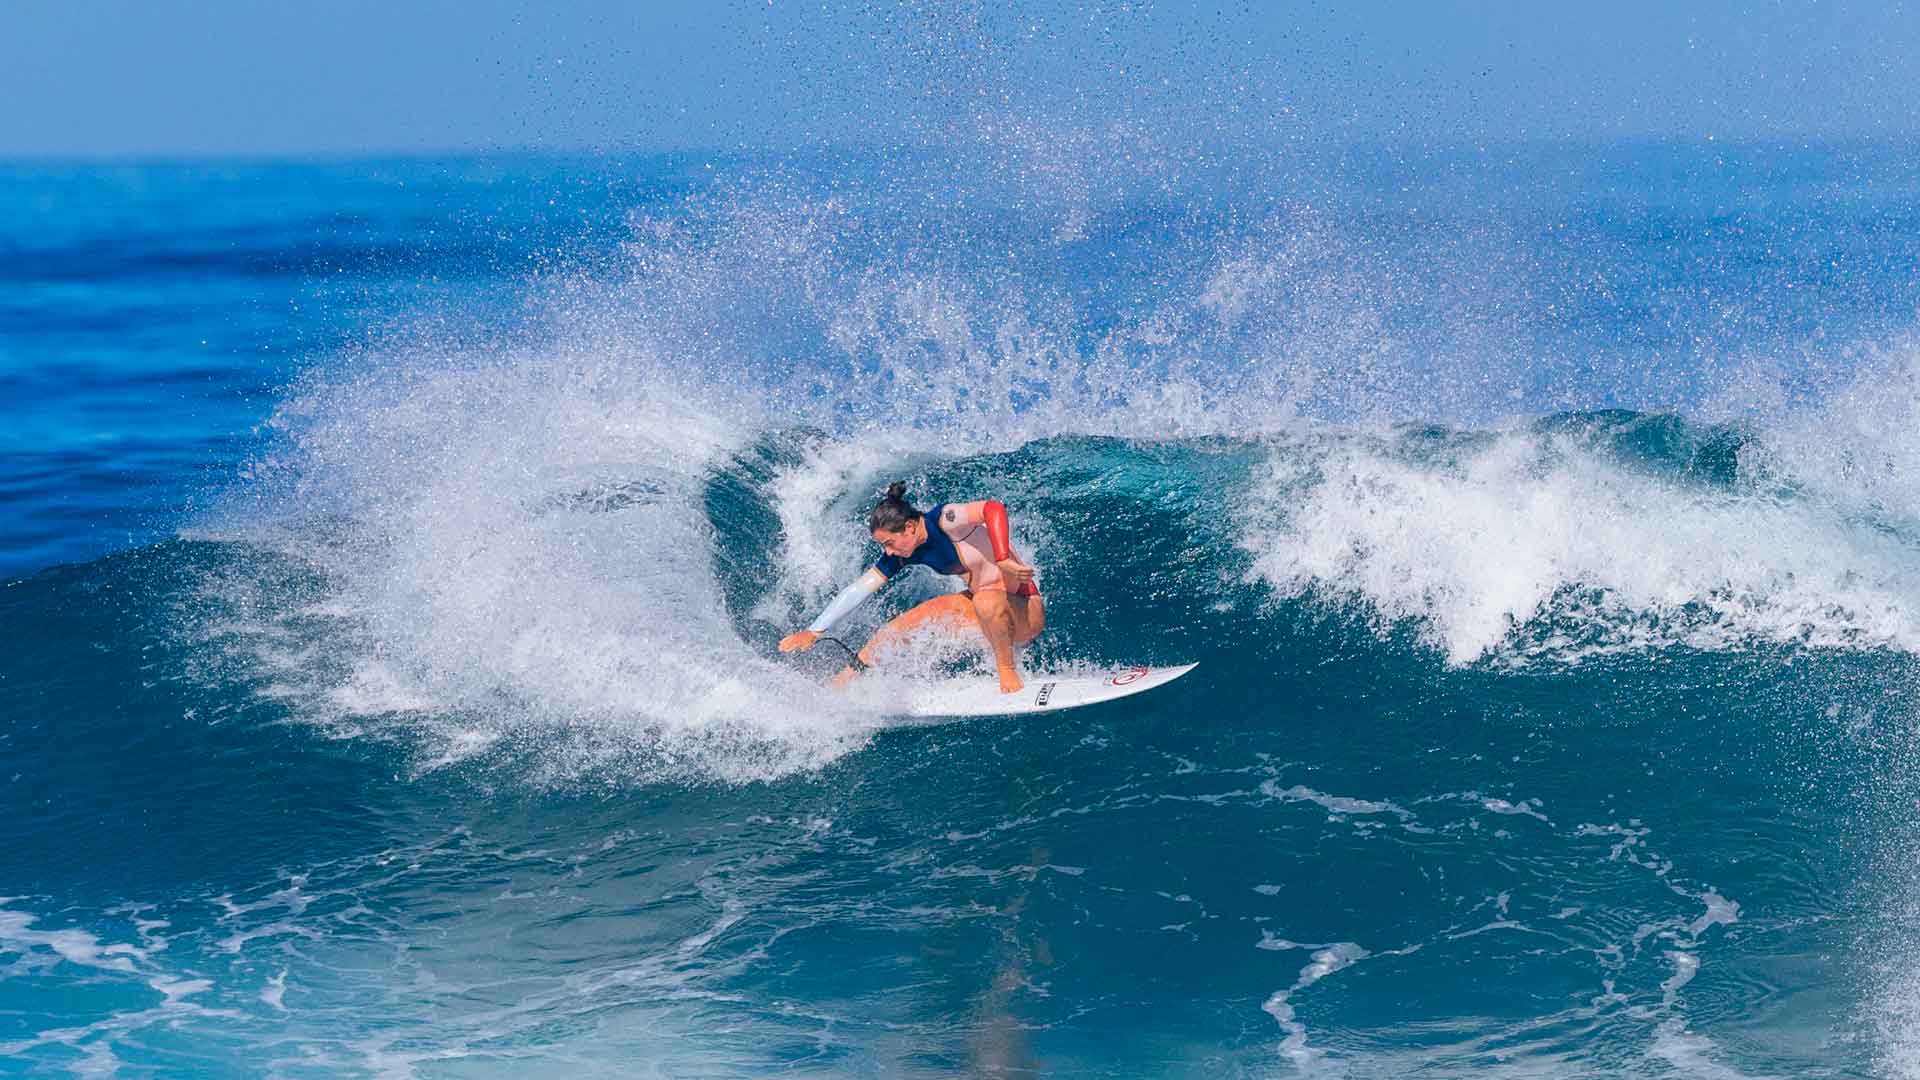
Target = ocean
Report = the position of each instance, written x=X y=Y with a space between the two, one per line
x=393 y=554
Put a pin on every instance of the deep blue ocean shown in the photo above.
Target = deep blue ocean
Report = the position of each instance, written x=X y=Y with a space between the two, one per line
x=393 y=552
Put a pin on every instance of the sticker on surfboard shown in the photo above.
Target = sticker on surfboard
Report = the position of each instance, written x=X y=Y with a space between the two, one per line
x=1044 y=693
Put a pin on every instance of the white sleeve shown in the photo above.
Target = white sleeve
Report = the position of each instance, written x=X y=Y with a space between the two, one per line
x=849 y=598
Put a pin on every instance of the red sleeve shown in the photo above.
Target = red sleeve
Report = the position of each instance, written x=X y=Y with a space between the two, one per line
x=996 y=517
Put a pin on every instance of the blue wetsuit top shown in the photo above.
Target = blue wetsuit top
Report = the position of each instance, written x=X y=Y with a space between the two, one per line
x=937 y=553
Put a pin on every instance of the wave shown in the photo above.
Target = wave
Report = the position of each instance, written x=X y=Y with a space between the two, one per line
x=598 y=583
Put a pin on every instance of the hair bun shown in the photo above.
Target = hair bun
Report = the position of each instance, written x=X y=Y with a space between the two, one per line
x=894 y=511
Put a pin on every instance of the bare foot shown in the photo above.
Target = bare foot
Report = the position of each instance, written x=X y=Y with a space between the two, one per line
x=845 y=676
x=1010 y=681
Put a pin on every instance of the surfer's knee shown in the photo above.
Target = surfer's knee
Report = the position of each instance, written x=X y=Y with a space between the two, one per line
x=991 y=604
x=991 y=608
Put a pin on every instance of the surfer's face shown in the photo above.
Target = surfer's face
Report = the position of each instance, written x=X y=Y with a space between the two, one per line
x=902 y=541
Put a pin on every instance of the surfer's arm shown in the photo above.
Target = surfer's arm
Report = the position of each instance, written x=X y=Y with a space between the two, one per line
x=849 y=598
x=959 y=519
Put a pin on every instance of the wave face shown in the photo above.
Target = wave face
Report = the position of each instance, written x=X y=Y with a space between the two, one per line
x=1551 y=552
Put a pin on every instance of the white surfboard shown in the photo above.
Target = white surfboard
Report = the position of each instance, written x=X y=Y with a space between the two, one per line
x=1044 y=693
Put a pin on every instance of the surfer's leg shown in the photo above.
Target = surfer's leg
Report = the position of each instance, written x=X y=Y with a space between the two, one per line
x=996 y=620
x=953 y=612
x=1029 y=617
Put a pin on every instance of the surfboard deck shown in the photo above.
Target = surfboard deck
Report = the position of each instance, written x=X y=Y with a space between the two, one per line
x=1044 y=693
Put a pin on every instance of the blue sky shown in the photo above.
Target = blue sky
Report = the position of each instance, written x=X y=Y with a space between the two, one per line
x=86 y=78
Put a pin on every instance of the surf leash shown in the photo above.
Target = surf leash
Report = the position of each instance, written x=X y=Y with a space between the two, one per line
x=853 y=658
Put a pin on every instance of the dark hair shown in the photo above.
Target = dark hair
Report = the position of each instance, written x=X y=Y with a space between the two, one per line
x=894 y=511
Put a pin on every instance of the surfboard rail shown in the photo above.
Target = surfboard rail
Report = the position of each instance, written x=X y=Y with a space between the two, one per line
x=1043 y=693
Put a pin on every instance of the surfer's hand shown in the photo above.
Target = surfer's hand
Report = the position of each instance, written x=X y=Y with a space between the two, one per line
x=1016 y=572
x=798 y=642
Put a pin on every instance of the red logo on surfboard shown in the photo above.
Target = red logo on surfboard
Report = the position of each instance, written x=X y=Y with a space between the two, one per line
x=1132 y=674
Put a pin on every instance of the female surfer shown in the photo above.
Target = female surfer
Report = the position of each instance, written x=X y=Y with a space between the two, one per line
x=960 y=539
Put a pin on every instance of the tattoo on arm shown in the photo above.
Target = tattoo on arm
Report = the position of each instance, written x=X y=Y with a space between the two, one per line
x=950 y=516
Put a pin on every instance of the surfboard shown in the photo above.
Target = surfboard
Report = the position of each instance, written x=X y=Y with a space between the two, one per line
x=1043 y=693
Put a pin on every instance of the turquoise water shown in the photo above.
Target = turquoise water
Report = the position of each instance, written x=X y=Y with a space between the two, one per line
x=395 y=551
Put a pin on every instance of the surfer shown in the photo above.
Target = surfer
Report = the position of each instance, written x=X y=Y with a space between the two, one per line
x=959 y=539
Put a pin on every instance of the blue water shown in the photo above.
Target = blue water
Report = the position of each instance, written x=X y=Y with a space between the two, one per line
x=394 y=554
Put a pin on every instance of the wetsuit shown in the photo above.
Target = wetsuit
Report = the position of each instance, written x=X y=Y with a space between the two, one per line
x=940 y=553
